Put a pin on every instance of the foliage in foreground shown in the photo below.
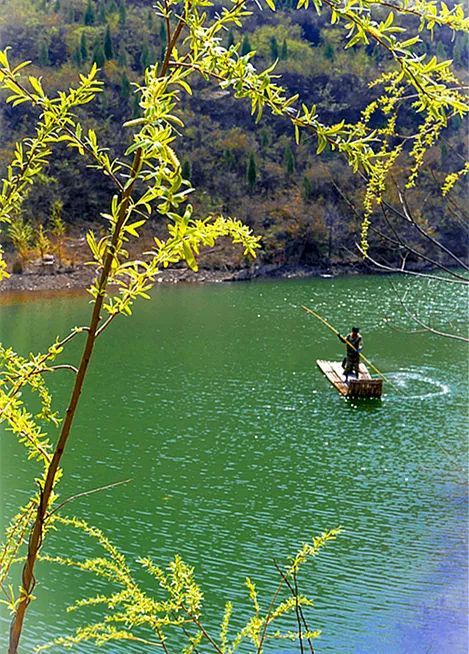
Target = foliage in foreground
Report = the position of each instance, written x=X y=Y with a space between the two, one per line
x=176 y=620
x=149 y=179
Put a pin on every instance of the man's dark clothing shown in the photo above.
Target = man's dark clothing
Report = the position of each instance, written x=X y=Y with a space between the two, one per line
x=352 y=360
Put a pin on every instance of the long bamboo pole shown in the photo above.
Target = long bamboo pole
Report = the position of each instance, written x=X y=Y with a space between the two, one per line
x=337 y=333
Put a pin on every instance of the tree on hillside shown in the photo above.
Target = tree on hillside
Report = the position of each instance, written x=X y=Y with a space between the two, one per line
x=98 y=56
x=43 y=57
x=273 y=48
x=77 y=58
x=125 y=87
x=306 y=189
x=245 y=45
x=264 y=137
x=83 y=47
x=229 y=159
x=42 y=242
x=329 y=50
x=284 y=50
x=107 y=44
x=163 y=33
x=186 y=169
x=58 y=229
x=145 y=57
x=135 y=106
x=122 y=14
x=441 y=51
x=101 y=13
x=461 y=51
x=21 y=235
x=251 y=171
x=122 y=57
x=90 y=14
x=289 y=161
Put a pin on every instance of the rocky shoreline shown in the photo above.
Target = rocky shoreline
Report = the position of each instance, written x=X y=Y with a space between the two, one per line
x=80 y=277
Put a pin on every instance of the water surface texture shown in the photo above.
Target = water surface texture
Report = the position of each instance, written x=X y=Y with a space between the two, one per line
x=208 y=398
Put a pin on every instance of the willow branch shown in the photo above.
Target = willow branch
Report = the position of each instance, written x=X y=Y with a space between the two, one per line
x=401 y=243
x=269 y=613
x=106 y=324
x=427 y=328
x=204 y=632
x=406 y=271
x=171 y=45
x=90 y=152
x=300 y=614
x=85 y=493
x=409 y=217
x=63 y=366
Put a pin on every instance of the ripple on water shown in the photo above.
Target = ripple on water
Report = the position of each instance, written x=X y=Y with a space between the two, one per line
x=420 y=384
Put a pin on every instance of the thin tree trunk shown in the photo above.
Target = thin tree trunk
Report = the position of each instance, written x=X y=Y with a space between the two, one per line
x=35 y=540
x=36 y=536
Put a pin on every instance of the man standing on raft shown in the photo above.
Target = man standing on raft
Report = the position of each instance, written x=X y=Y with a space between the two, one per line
x=354 y=345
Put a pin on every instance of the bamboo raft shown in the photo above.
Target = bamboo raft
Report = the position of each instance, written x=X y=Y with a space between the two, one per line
x=365 y=386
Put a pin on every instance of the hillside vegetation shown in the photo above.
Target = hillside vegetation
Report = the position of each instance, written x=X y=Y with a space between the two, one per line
x=306 y=207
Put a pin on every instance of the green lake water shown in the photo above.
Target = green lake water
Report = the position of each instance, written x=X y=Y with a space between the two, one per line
x=239 y=450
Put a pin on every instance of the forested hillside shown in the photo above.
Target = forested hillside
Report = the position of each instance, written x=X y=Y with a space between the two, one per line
x=307 y=207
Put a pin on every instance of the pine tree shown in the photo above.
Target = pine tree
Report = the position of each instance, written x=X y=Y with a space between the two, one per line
x=284 y=50
x=125 y=86
x=289 y=161
x=251 y=172
x=229 y=159
x=163 y=35
x=443 y=153
x=101 y=14
x=273 y=49
x=441 y=51
x=245 y=46
x=122 y=57
x=99 y=57
x=264 y=137
x=107 y=46
x=151 y=21
x=186 y=170
x=122 y=14
x=136 y=106
x=328 y=51
x=145 y=57
x=83 y=47
x=306 y=189
x=77 y=56
x=90 y=14
x=461 y=51
x=43 y=56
